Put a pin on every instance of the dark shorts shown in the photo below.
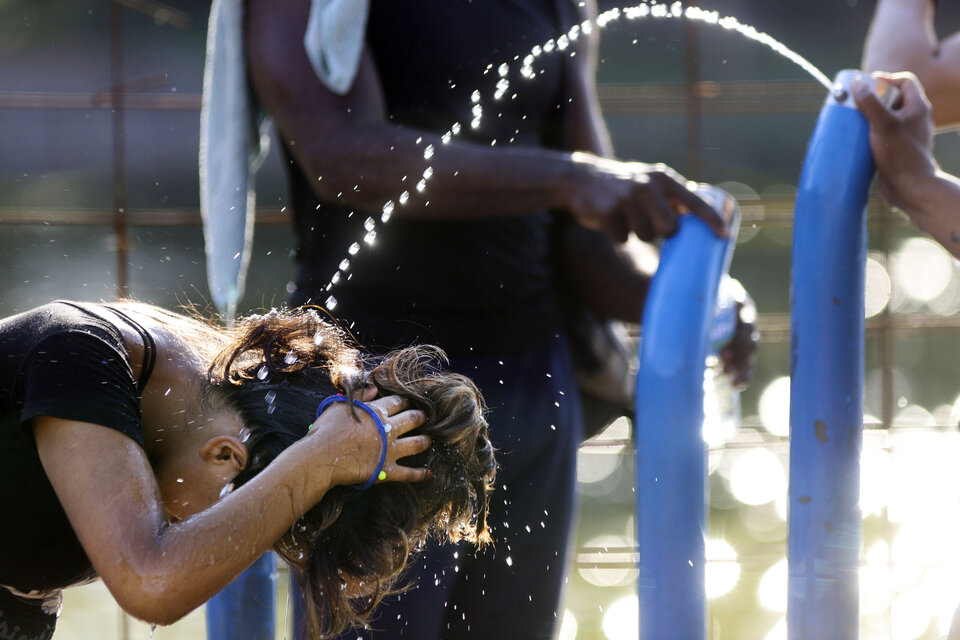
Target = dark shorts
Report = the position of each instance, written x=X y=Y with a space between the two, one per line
x=24 y=618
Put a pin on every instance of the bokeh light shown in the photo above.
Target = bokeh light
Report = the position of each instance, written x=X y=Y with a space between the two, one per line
x=878 y=288
x=722 y=570
x=757 y=477
x=599 y=461
x=921 y=268
x=772 y=590
x=610 y=550
x=751 y=209
x=620 y=619
x=568 y=626
x=778 y=631
x=774 y=407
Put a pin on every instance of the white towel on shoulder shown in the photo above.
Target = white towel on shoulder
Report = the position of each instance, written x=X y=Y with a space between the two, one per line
x=234 y=132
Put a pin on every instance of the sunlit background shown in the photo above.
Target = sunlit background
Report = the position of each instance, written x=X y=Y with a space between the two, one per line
x=714 y=106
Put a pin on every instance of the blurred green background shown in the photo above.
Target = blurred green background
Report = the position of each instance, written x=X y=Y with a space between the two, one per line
x=713 y=105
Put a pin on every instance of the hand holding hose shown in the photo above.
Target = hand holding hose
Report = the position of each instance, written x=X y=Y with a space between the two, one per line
x=901 y=138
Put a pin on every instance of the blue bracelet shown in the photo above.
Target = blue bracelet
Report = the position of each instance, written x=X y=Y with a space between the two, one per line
x=378 y=473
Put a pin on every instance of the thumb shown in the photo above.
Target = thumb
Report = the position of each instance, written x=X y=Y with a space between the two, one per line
x=869 y=104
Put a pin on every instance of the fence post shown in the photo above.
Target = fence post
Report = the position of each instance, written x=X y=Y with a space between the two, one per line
x=671 y=452
x=826 y=368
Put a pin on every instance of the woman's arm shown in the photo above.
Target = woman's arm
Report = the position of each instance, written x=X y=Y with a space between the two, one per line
x=909 y=178
x=159 y=571
x=902 y=38
x=359 y=158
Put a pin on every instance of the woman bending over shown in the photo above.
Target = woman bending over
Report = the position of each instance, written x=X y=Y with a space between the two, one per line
x=164 y=456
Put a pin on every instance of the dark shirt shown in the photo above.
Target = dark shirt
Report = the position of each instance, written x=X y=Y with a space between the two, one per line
x=66 y=361
x=475 y=285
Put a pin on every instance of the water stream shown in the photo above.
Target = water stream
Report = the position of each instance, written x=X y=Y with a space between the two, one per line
x=645 y=10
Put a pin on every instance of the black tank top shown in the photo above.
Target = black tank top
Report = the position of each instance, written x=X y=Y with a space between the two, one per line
x=467 y=285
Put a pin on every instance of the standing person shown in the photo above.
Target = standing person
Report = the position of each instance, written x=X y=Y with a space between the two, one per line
x=902 y=38
x=164 y=456
x=471 y=263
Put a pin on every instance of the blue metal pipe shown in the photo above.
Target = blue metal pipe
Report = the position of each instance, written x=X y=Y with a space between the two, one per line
x=246 y=608
x=671 y=453
x=826 y=367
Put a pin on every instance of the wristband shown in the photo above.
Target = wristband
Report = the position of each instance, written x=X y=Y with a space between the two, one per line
x=378 y=473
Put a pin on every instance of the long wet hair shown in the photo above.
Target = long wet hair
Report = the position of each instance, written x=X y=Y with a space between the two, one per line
x=351 y=548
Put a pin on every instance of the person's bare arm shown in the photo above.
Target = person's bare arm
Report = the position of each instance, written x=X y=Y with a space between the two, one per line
x=902 y=38
x=909 y=177
x=354 y=155
x=610 y=277
x=158 y=571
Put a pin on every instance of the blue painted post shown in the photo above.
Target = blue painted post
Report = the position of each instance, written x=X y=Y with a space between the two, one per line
x=671 y=452
x=246 y=608
x=826 y=366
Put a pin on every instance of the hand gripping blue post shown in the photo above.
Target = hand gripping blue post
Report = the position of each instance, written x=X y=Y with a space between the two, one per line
x=671 y=452
x=826 y=367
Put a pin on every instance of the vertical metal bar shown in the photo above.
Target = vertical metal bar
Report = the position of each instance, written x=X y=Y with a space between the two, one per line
x=117 y=123
x=246 y=608
x=826 y=365
x=671 y=452
x=691 y=61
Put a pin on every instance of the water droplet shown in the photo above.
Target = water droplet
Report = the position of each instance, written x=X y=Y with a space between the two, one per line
x=509 y=561
x=318 y=338
x=354 y=248
x=335 y=279
x=428 y=152
x=421 y=185
x=370 y=223
x=263 y=372
x=428 y=173
x=475 y=96
x=404 y=197
x=344 y=264
x=331 y=303
x=291 y=357
x=270 y=397
x=271 y=408
x=445 y=138
x=503 y=69
x=387 y=210
x=455 y=129
x=179 y=480
x=166 y=393
x=370 y=237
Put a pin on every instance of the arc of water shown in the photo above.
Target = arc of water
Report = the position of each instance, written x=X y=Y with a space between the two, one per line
x=654 y=10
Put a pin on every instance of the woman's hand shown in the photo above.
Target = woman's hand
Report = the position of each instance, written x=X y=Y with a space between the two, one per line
x=357 y=441
x=901 y=137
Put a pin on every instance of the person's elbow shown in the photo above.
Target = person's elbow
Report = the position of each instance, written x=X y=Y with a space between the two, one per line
x=156 y=600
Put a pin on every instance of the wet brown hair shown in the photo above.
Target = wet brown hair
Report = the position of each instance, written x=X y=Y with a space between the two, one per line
x=275 y=371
